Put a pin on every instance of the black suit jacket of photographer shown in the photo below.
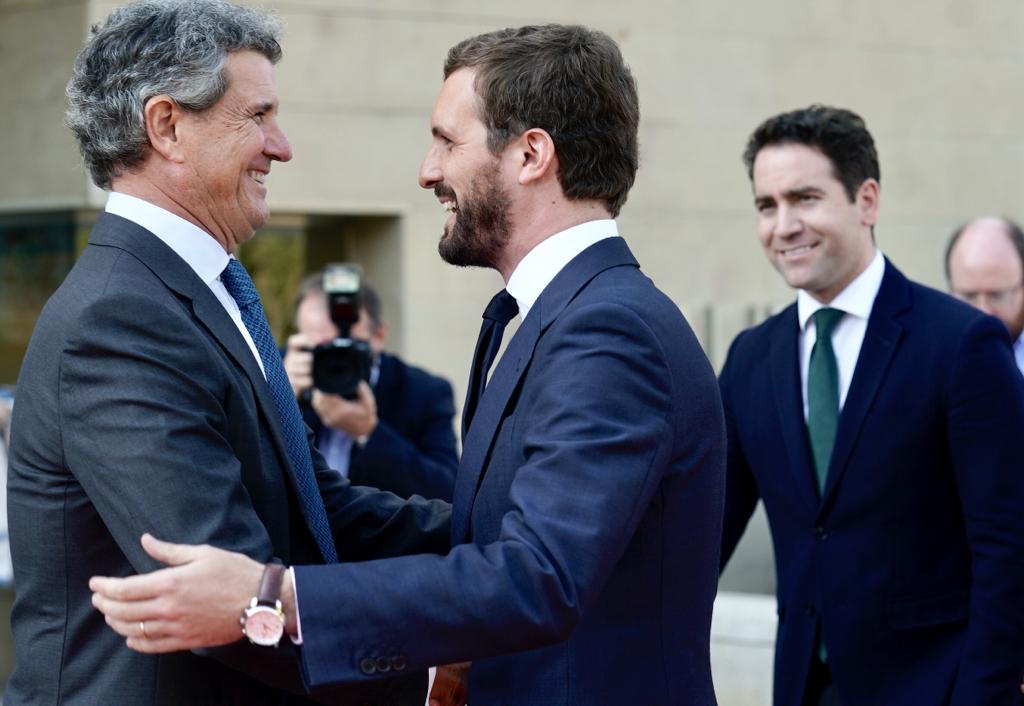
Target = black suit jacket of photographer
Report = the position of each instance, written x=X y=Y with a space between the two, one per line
x=142 y=409
x=412 y=451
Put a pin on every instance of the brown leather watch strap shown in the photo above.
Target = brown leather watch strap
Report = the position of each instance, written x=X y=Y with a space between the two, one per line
x=270 y=584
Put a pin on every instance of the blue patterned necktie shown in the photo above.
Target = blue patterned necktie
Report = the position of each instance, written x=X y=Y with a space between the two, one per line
x=499 y=312
x=239 y=285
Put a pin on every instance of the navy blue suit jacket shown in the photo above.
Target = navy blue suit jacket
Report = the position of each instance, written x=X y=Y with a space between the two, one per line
x=412 y=450
x=142 y=409
x=912 y=562
x=587 y=515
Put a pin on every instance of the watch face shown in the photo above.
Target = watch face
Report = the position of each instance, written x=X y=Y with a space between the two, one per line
x=263 y=626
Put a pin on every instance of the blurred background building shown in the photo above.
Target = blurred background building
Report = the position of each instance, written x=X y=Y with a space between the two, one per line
x=936 y=80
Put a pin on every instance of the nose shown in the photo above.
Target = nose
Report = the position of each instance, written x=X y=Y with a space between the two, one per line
x=277 y=146
x=787 y=223
x=986 y=303
x=430 y=170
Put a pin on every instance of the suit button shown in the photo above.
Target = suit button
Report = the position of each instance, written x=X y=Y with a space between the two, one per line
x=809 y=609
x=820 y=532
x=398 y=663
x=367 y=667
x=383 y=664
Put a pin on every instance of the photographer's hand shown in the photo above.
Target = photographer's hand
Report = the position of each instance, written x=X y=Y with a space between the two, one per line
x=298 y=363
x=357 y=418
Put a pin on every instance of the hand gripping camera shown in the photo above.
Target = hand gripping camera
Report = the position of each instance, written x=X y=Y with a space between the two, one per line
x=339 y=365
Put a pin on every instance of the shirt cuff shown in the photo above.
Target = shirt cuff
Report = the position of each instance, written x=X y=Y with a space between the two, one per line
x=297 y=640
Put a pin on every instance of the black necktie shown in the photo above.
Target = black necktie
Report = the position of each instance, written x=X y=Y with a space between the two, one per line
x=241 y=288
x=496 y=317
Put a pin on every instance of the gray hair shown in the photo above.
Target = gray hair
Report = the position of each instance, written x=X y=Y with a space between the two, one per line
x=176 y=48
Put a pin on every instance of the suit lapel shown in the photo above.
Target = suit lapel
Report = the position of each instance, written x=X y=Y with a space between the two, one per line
x=111 y=230
x=880 y=341
x=210 y=312
x=478 y=441
x=785 y=373
x=513 y=364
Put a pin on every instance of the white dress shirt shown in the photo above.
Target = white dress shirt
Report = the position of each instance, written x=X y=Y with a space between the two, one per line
x=856 y=302
x=195 y=246
x=535 y=271
x=1018 y=352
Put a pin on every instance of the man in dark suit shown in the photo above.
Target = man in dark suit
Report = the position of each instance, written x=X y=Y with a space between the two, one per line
x=397 y=433
x=880 y=422
x=147 y=400
x=587 y=509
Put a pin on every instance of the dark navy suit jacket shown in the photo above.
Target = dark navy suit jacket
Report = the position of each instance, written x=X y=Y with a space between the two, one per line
x=412 y=450
x=587 y=517
x=142 y=409
x=912 y=563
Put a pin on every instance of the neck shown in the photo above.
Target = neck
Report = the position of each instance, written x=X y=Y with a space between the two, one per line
x=141 y=186
x=535 y=225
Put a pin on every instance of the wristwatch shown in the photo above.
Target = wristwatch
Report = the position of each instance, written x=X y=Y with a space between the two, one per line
x=263 y=619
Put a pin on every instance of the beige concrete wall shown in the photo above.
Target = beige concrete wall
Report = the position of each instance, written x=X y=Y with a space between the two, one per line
x=937 y=83
x=38 y=43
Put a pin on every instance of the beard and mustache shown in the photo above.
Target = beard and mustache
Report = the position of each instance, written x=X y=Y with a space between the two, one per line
x=482 y=227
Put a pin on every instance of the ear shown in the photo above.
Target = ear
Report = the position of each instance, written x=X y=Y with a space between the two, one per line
x=867 y=198
x=163 y=117
x=537 y=152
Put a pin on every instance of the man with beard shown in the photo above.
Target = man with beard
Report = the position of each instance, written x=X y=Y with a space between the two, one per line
x=985 y=268
x=587 y=508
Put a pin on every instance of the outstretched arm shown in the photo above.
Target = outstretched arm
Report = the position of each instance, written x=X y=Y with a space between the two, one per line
x=194 y=603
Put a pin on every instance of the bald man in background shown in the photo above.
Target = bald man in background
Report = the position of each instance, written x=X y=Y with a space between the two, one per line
x=985 y=268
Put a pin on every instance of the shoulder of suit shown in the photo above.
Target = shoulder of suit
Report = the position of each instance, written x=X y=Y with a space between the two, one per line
x=939 y=310
x=405 y=374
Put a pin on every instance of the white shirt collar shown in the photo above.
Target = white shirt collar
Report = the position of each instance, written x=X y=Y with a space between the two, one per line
x=535 y=271
x=192 y=244
x=857 y=299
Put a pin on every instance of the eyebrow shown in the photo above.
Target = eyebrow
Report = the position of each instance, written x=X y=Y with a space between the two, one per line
x=803 y=191
x=791 y=194
x=264 y=107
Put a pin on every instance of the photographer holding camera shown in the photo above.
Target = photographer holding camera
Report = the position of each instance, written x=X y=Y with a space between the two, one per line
x=391 y=426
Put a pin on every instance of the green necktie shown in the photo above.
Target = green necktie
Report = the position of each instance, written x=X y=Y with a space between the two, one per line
x=823 y=393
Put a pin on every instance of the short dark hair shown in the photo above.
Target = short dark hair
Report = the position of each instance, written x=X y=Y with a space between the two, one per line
x=569 y=81
x=1013 y=231
x=312 y=283
x=839 y=134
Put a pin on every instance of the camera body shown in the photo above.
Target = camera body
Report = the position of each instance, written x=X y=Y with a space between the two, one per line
x=339 y=365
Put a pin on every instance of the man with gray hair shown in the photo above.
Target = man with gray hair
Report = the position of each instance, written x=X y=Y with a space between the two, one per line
x=587 y=508
x=152 y=397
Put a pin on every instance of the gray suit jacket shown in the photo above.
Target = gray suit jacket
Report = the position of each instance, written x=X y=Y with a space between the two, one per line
x=141 y=409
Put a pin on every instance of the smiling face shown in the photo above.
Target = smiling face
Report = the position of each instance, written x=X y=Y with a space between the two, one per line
x=229 y=148
x=811 y=232
x=466 y=178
